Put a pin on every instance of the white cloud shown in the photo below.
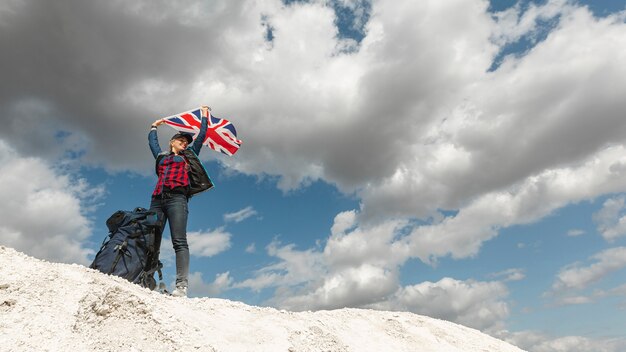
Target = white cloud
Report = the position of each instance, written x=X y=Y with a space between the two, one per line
x=208 y=244
x=477 y=304
x=201 y=244
x=577 y=277
x=355 y=286
x=294 y=268
x=240 y=215
x=575 y=232
x=359 y=267
x=532 y=116
x=537 y=342
x=343 y=222
x=611 y=219
x=515 y=274
x=514 y=23
x=375 y=245
x=539 y=195
x=617 y=291
x=574 y=300
x=573 y=281
x=198 y=287
x=43 y=208
x=354 y=268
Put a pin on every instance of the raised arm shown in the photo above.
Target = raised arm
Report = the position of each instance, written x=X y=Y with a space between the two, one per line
x=197 y=143
x=153 y=139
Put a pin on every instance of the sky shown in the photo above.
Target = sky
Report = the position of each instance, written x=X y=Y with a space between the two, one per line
x=460 y=159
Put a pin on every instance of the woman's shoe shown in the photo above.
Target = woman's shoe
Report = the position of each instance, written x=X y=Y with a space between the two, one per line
x=180 y=291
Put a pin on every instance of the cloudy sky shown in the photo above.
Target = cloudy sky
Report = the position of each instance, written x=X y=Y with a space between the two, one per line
x=461 y=159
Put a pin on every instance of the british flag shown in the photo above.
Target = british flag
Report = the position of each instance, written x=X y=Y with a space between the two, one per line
x=221 y=135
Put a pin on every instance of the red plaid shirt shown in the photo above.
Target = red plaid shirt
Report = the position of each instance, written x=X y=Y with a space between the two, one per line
x=173 y=172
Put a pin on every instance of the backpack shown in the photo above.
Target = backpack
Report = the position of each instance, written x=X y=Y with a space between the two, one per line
x=131 y=250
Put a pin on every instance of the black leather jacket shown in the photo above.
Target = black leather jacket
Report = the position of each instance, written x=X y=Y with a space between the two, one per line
x=199 y=180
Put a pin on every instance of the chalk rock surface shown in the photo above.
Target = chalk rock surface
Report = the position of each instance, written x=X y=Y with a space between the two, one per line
x=60 y=307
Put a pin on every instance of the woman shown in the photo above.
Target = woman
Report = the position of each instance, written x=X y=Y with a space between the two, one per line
x=181 y=175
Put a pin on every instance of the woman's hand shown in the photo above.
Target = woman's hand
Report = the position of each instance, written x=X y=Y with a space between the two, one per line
x=158 y=122
x=205 y=111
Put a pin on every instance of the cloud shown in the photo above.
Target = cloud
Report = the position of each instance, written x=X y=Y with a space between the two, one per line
x=461 y=235
x=515 y=23
x=201 y=244
x=240 y=215
x=208 y=244
x=529 y=117
x=575 y=232
x=515 y=274
x=574 y=300
x=377 y=245
x=617 y=291
x=44 y=211
x=349 y=287
x=477 y=304
x=294 y=268
x=359 y=267
x=576 y=277
x=200 y=288
x=106 y=70
x=537 y=342
x=452 y=131
x=343 y=221
x=353 y=269
x=611 y=219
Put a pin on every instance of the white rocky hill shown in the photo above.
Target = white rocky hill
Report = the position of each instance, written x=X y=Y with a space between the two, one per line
x=59 y=307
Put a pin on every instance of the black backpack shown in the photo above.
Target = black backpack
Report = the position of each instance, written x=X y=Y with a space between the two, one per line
x=131 y=250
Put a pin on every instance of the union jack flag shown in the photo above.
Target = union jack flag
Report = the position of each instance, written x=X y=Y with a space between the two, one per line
x=221 y=135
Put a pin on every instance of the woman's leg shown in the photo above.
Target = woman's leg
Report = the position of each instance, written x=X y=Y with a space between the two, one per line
x=177 y=213
x=156 y=204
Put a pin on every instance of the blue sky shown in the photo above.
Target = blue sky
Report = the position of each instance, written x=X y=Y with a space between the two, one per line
x=464 y=160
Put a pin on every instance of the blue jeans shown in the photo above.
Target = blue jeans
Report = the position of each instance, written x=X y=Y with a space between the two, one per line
x=175 y=209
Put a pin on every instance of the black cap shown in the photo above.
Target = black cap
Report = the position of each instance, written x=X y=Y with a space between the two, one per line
x=187 y=136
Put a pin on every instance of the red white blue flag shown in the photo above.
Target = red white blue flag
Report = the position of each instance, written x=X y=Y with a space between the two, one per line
x=221 y=135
